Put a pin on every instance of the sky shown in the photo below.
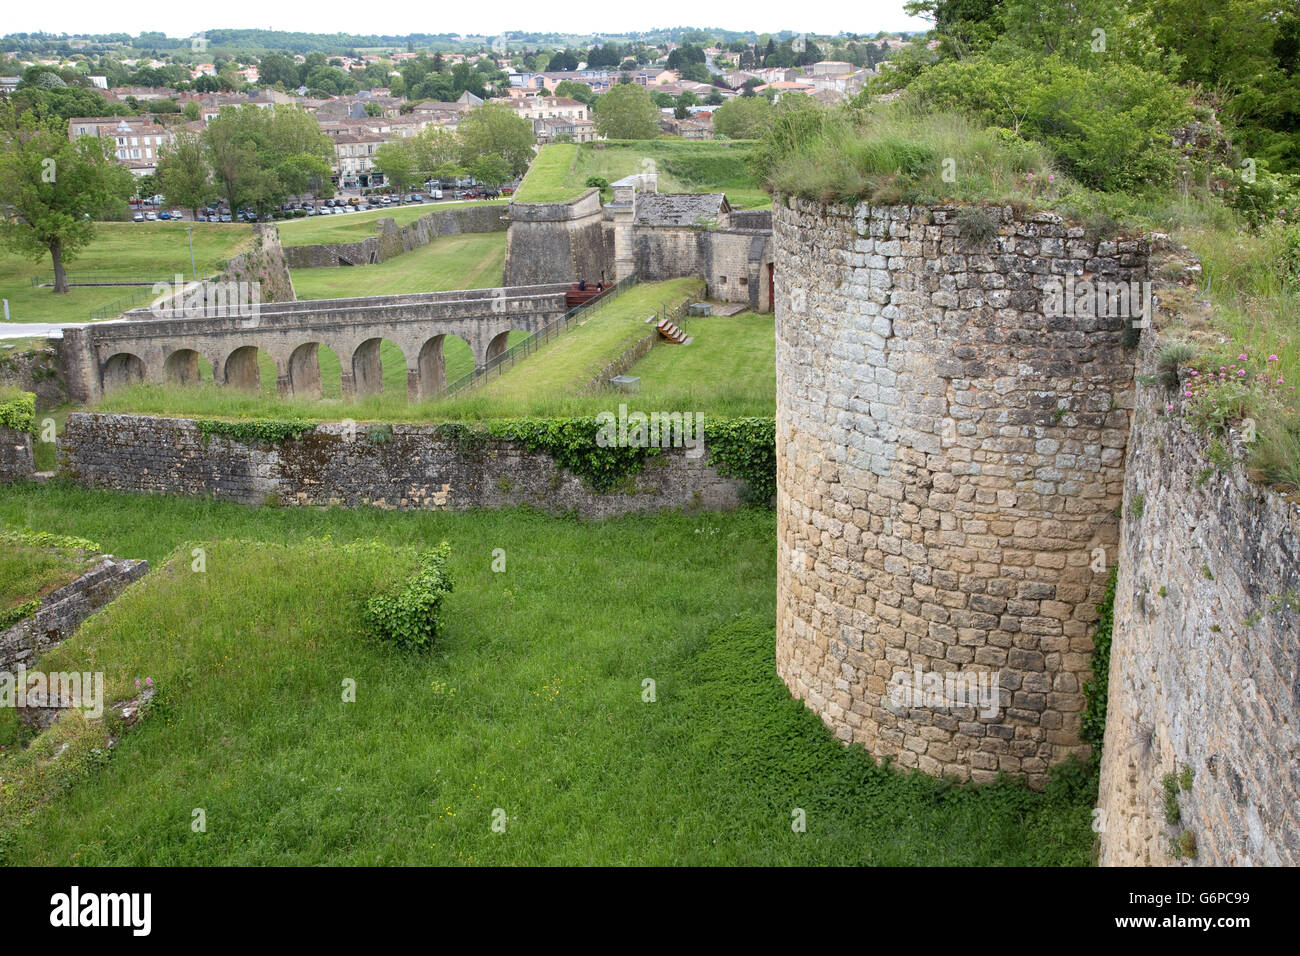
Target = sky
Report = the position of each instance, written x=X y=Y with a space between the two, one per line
x=397 y=17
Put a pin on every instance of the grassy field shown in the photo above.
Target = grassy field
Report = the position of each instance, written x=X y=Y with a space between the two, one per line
x=560 y=171
x=533 y=708
x=355 y=226
x=153 y=250
x=733 y=356
x=468 y=261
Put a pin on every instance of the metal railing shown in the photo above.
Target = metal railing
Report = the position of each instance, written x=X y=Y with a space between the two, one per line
x=145 y=296
x=520 y=350
x=93 y=280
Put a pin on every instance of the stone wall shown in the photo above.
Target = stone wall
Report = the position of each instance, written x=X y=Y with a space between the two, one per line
x=1205 y=658
x=733 y=262
x=36 y=371
x=949 y=457
x=559 y=242
x=265 y=263
x=63 y=610
x=17 y=462
x=397 y=466
x=393 y=240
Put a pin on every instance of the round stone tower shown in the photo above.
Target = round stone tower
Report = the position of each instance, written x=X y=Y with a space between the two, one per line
x=950 y=451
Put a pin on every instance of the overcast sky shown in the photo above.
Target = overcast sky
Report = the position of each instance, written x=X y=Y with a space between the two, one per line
x=397 y=17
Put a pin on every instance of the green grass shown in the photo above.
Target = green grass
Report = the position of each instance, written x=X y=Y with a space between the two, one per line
x=896 y=155
x=154 y=250
x=560 y=171
x=730 y=361
x=532 y=703
x=570 y=361
x=355 y=226
x=547 y=177
x=473 y=260
x=28 y=571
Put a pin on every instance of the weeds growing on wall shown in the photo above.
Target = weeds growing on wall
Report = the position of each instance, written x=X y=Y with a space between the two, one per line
x=1096 y=691
x=258 y=431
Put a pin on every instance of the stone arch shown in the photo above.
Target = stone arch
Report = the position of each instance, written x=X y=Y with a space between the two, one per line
x=379 y=365
x=187 y=367
x=497 y=346
x=442 y=360
x=314 y=372
x=245 y=368
x=121 y=369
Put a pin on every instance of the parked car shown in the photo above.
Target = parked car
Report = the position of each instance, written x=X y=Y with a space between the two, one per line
x=225 y=217
x=138 y=217
x=164 y=214
x=203 y=217
x=151 y=216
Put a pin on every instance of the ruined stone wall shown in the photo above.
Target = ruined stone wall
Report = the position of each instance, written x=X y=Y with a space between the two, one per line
x=949 y=457
x=265 y=263
x=17 y=461
x=390 y=466
x=559 y=242
x=732 y=262
x=397 y=240
x=37 y=371
x=61 y=611
x=1205 y=658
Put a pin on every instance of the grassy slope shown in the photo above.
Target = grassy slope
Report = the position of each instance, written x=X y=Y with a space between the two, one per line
x=154 y=250
x=568 y=363
x=546 y=179
x=355 y=226
x=466 y=261
x=532 y=703
x=560 y=171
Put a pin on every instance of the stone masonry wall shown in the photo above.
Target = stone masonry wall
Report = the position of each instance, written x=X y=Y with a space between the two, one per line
x=397 y=466
x=63 y=610
x=559 y=242
x=948 y=459
x=17 y=460
x=1205 y=657
x=394 y=240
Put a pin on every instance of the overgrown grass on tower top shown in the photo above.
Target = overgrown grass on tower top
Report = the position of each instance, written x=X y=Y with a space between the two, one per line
x=899 y=156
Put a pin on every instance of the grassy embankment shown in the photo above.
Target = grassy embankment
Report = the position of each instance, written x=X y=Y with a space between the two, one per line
x=560 y=171
x=534 y=702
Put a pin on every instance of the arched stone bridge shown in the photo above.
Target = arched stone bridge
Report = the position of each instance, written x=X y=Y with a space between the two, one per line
x=99 y=357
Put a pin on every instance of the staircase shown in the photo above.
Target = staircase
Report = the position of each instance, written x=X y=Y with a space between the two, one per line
x=672 y=333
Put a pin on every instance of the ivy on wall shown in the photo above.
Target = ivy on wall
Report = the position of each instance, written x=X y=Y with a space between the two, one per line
x=745 y=448
x=254 y=431
x=1097 y=691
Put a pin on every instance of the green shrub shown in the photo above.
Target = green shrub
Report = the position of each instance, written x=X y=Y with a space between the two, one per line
x=412 y=615
x=19 y=412
x=1110 y=126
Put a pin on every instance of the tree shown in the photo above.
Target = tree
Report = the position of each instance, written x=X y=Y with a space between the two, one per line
x=491 y=170
x=495 y=128
x=433 y=147
x=575 y=91
x=191 y=111
x=183 y=173
x=48 y=186
x=261 y=156
x=745 y=117
x=396 y=162
x=278 y=69
x=626 y=111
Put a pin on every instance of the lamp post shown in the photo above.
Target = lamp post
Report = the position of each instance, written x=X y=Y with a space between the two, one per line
x=189 y=234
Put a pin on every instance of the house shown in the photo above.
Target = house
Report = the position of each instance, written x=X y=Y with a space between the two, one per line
x=354 y=154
